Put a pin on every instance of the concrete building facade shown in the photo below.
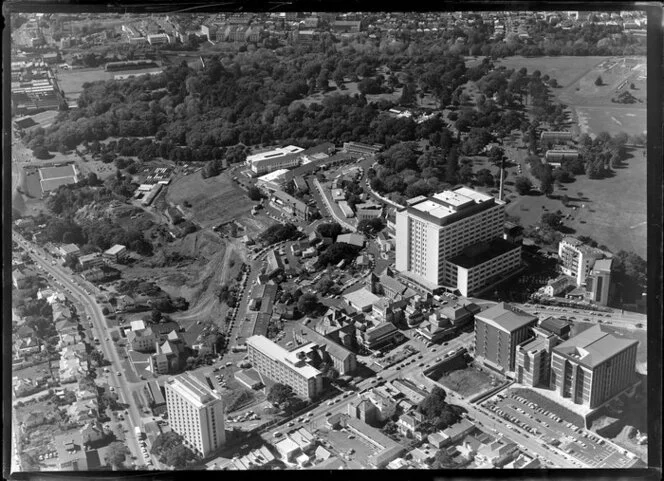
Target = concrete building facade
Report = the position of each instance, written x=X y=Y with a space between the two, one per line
x=498 y=332
x=454 y=238
x=286 y=367
x=196 y=412
x=592 y=367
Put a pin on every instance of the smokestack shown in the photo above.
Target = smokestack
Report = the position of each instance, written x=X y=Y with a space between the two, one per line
x=502 y=169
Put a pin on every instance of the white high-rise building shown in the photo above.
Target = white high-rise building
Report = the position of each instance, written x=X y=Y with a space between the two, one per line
x=196 y=412
x=454 y=239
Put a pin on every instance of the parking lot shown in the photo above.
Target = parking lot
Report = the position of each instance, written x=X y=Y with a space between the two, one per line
x=344 y=442
x=551 y=429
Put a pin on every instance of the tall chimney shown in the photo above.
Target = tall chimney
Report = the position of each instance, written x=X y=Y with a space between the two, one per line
x=502 y=169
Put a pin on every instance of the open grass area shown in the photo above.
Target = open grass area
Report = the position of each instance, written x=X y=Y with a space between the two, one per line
x=71 y=81
x=592 y=107
x=213 y=201
x=613 y=211
x=467 y=382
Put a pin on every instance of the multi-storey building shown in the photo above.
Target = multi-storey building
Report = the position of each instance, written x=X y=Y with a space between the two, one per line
x=290 y=205
x=598 y=282
x=577 y=259
x=286 y=367
x=362 y=149
x=533 y=358
x=343 y=360
x=593 y=367
x=281 y=158
x=195 y=412
x=498 y=332
x=454 y=239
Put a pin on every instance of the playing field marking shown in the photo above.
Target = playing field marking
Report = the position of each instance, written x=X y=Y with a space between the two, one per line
x=638 y=225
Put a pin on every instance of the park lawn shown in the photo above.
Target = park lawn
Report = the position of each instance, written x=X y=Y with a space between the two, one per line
x=616 y=221
x=631 y=120
x=213 y=201
x=467 y=382
x=566 y=70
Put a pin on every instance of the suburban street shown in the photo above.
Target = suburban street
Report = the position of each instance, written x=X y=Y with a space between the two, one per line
x=123 y=387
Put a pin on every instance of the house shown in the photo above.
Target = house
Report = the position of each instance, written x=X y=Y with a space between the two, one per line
x=379 y=335
x=23 y=347
x=141 y=340
x=384 y=242
x=409 y=424
x=368 y=211
x=92 y=432
x=558 y=285
x=353 y=239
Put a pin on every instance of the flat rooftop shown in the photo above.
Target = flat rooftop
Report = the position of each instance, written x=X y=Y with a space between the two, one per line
x=450 y=204
x=275 y=153
x=493 y=249
x=192 y=389
x=279 y=354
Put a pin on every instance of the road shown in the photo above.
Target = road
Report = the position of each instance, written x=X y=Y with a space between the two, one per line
x=618 y=318
x=414 y=371
x=329 y=208
x=123 y=387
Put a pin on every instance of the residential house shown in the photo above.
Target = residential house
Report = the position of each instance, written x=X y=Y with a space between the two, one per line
x=409 y=424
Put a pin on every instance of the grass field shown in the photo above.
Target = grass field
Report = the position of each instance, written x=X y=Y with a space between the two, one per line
x=614 y=213
x=213 y=201
x=71 y=81
x=351 y=89
x=591 y=104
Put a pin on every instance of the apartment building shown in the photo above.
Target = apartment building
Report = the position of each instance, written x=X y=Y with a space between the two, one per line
x=577 y=259
x=498 y=332
x=280 y=158
x=454 y=239
x=593 y=367
x=195 y=412
x=116 y=252
x=286 y=367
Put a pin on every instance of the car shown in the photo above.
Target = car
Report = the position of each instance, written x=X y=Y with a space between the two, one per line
x=277 y=434
x=328 y=413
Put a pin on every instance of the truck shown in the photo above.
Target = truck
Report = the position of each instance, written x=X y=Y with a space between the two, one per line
x=138 y=432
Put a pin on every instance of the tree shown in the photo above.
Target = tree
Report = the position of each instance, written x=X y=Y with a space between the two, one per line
x=93 y=180
x=552 y=220
x=632 y=86
x=599 y=81
x=254 y=193
x=546 y=183
x=371 y=226
x=329 y=229
x=41 y=153
x=279 y=393
x=324 y=285
x=484 y=177
x=117 y=453
x=308 y=303
x=408 y=95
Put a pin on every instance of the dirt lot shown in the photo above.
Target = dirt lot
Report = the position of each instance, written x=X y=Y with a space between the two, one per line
x=213 y=201
x=467 y=382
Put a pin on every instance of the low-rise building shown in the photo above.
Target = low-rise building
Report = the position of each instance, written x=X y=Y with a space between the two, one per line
x=368 y=211
x=291 y=206
x=90 y=260
x=362 y=149
x=68 y=249
x=342 y=359
x=116 y=253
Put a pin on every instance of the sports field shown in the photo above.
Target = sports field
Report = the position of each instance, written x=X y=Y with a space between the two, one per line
x=213 y=201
